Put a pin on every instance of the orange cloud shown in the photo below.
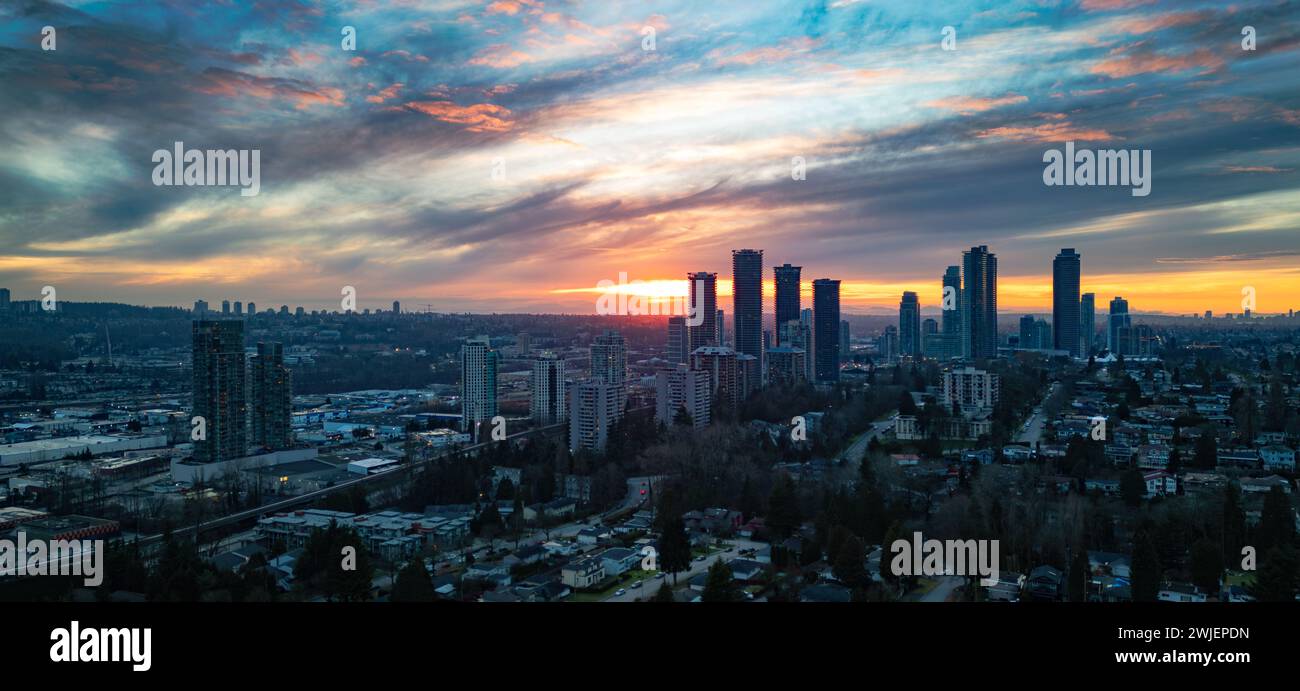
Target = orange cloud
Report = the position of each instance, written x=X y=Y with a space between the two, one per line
x=1047 y=132
x=1129 y=65
x=479 y=117
x=501 y=56
x=969 y=104
x=385 y=94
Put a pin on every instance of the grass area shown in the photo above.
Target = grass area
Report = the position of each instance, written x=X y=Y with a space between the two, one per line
x=1241 y=578
x=649 y=586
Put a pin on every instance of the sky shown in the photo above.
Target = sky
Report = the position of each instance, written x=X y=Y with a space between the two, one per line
x=507 y=156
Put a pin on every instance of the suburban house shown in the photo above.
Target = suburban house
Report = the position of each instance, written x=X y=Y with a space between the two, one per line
x=1277 y=457
x=1159 y=483
x=618 y=560
x=583 y=573
x=1044 y=583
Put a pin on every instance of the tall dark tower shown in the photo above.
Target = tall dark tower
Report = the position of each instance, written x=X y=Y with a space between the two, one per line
x=1087 y=323
x=1065 y=301
x=704 y=296
x=979 y=303
x=909 y=325
x=951 y=305
x=219 y=384
x=787 y=295
x=271 y=389
x=826 y=330
x=747 y=297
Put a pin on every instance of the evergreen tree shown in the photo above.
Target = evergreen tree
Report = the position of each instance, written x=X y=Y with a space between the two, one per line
x=1207 y=566
x=1276 y=522
x=1080 y=574
x=718 y=585
x=850 y=564
x=1132 y=487
x=413 y=583
x=1278 y=578
x=1146 y=569
x=674 y=548
x=664 y=594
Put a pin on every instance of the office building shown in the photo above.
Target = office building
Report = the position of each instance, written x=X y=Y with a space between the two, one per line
x=786 y=365
x=678 y=348
x=826 y=327
x=747 y=301
x=609 y=364
x=271 y=389
x=951 y=310
x=683 y=388
x=219 y=392
x=478 y=385
x=787 y=294
x=594 y=408
x=979 y=303
x=1065 y=301
x=909 y=325
x=1116 y=320
x=720 y=364
x=970 y=388
x=1087 y=323
x=704 y=298
x=548 y=401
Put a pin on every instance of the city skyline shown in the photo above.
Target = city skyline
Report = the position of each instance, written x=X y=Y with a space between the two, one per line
x=381 y=163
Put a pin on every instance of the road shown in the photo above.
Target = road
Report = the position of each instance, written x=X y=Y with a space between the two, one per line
x=858 y=449
x=651 y=585
x=944 y=589
x=1033 y=429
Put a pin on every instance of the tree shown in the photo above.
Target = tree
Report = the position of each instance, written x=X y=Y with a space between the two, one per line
x=1207 y=566
x=674 y=548
x=336 y=563
x=850 y=564
x=664 y=594
x=1080 y=574
x=1234 y=522
x=1279 y=576
x=683 y=418
x=413 y=583
x=719 y=585
x=1207 y=451
x=1132 y=487
x=1276 y=522
x=1146 y=569
x=783 y=515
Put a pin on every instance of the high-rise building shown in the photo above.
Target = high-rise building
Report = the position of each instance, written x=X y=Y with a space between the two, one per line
x=786 y=365
x=523 y=342
x=979 y=303
x=951 y=305
x=720 y=364
x=826 y=327
x=252 y=308
x=609 y=364
x=1065 y=301
x=4 y=299
x=787 y=294
x=909 y=325
x=1087 y=323
x=239 y=308
x=887 y=344
x=225 y=307
x=548 y=402
x=704 y=297
x=271 y=389
x=397 y=307
x=845 y=338
x=683 y=388
x=1043 y=335
x=970 y=388
x=678 y=348
x=1116 y=320
x=1027 y=337
x=220 y=380
x=747 y=301
x=200 y=309
x=932 y=343
x=478 y=385
x=594 y=407
x=721 y=338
